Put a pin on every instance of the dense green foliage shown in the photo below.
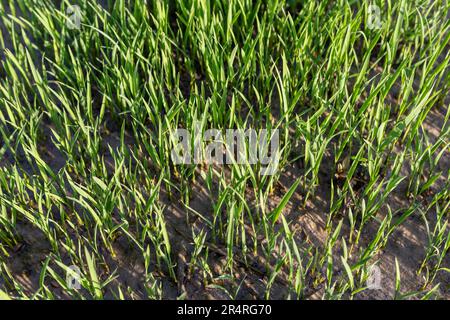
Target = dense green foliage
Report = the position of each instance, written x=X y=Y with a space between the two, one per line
x=86 y=115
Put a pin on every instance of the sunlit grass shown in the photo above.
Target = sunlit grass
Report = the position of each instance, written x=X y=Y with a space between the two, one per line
x=348 y=100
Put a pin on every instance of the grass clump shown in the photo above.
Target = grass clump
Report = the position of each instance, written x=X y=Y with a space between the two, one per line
x=87 y=180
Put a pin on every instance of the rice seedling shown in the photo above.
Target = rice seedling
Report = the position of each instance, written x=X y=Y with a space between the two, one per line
x=351 y=177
